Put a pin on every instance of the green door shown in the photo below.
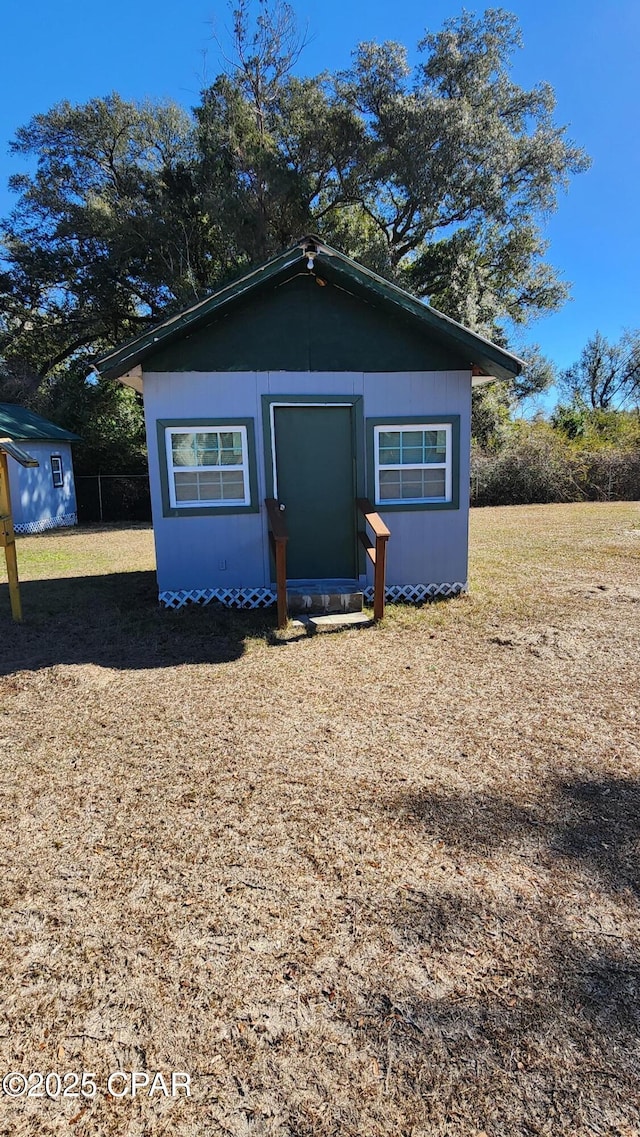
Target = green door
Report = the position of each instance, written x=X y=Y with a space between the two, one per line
x=315 y=475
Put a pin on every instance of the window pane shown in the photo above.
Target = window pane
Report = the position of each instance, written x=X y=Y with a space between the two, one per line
x=435 y=446
x=412 y=464
x=231 y=457
x=389 y=438
x=412 y=484
x=230 y=448
x=210 y=487
x=389 y=485
x=232 y=485
x=208 y=457
x=412 y=455
x=186 y=487
x=208 y=439
x=207 y=449
x=182 y=449
x=230 y=440
x=433 y=483
x=208 y=479
x=412 y=438
x=389 y=456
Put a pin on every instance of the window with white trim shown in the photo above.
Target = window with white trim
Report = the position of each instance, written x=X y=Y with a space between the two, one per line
x=208 y=466
x=413 y=463
x=57 y=473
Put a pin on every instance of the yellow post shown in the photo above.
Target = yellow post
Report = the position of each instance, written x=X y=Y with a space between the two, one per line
x=7 y=538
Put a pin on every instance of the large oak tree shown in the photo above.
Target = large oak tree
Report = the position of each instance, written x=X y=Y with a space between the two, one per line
x=439 y=176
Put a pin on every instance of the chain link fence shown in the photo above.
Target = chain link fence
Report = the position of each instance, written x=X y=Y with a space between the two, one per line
x=113 y=497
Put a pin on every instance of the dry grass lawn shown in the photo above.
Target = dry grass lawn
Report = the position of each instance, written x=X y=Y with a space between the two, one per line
x=378 y=882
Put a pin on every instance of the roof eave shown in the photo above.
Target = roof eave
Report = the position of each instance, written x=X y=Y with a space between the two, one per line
x=493 y=361
x=489 y=356
x=116 y=364
x=8 y=446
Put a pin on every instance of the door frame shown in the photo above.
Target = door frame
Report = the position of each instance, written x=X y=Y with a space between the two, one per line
x=270 y=403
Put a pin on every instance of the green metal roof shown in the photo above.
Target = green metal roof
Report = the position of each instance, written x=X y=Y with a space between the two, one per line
x=22 y=425
x=337 y=269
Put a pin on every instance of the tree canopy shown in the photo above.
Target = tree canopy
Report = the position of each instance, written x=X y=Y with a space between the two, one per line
x=439 y=176
x=607 y=375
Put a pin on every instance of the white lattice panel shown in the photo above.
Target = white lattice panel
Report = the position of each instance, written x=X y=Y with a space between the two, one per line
x=230 y=597
x=47 y=523
x=417 y=593
x=264 y=597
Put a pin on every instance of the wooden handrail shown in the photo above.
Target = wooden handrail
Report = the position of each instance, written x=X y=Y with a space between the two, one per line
x=377 y=553
x=277 y=523
x=279 y=537
x=372 y=518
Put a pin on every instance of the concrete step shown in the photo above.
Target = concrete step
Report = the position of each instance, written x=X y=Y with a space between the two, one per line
x=332 y=622
x=323 y=597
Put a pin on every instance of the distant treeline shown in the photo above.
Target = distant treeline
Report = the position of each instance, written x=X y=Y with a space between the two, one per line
x=580 y=455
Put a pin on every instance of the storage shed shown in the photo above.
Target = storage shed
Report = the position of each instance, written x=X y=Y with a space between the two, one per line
x=313 y=384
x=42 y=497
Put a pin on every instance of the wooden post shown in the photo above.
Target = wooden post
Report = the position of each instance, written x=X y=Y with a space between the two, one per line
x=279 y=537
x=379 y=576
x=7 y=538
x=377 y=554
x=281 y=583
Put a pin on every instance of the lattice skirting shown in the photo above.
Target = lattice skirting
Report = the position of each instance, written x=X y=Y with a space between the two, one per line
x=47 y=523
x=417 y=593
x=264 y=597
x=230 y=597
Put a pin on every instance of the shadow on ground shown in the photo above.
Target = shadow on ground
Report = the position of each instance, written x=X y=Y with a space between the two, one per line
x=592 y=823
x=115 y=621
x=600 y=830
x=506 y=1052
x=524 y=1017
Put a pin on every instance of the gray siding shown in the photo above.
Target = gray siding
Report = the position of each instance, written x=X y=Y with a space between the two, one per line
x=426 y=546
x=34 y=498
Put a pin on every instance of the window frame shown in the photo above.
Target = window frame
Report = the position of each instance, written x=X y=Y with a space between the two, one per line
x=451 y=466
x=57 y=471
x=171 y=507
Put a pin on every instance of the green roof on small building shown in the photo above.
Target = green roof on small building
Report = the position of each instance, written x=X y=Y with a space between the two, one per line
x=313 y=259
x=22 y=425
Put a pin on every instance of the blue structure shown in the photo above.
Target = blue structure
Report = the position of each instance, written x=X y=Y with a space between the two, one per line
x=313 y=383
x=42 y=497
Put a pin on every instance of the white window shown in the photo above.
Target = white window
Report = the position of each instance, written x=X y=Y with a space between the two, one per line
x=57 y=473
x=413 y=463
x=208 y=466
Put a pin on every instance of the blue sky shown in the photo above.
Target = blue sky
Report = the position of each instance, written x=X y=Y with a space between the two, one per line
x=588 y=51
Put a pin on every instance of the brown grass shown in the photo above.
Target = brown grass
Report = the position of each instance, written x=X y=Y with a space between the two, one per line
x=384 y=881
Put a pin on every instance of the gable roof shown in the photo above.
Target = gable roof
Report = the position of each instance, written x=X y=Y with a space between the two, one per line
x=22 y=425
x=313 y=256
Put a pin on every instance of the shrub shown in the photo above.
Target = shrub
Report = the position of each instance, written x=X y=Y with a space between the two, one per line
x=540 y=463
x=535 y=465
